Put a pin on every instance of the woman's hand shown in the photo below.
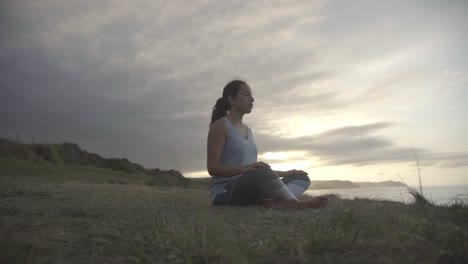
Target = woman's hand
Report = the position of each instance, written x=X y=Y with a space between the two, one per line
x=254 y=166
x=295 y=172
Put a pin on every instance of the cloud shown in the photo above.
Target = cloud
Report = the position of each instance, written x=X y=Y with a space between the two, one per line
x=445 y=160
x=357 y=146
x=137 y=79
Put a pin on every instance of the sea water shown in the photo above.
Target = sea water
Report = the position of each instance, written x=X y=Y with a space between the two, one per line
x=441 y=195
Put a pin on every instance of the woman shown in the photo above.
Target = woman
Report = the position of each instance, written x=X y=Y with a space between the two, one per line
x=237 y=178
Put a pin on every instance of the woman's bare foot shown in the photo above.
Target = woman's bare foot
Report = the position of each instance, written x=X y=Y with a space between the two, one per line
x=314 y=203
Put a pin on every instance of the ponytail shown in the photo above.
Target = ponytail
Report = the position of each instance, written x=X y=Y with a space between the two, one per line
x=220 y=109
x=222 y=105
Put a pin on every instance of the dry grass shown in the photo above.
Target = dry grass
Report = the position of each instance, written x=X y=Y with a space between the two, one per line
x=94 y=221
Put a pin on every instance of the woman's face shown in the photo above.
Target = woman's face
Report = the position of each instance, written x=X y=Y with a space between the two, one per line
x=244 y=100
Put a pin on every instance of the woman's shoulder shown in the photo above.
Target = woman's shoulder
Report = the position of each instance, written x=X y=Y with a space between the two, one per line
x=219 y=122
x=219 y=125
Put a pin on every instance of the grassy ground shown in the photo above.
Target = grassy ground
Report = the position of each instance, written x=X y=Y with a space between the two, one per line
x=83 y=215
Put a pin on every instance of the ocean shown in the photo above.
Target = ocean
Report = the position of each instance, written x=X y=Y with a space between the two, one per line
x=440 y=195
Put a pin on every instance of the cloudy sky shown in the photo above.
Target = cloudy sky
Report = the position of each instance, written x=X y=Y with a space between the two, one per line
x=350 y=90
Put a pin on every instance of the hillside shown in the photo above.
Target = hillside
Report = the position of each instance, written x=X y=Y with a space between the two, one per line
x=70 y=154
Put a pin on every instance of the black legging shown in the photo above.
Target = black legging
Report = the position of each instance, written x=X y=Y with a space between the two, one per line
x=247 y=189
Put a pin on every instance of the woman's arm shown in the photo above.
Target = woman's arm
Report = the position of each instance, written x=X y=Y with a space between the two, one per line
x=290 y=172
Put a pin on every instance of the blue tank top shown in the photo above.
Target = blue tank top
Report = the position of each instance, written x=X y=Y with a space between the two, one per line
x=237 y=151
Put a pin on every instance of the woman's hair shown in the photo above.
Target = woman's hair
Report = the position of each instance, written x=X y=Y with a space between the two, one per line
x=222 y=105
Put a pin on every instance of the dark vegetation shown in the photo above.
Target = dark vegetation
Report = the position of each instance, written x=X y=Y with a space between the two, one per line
x=71 y=154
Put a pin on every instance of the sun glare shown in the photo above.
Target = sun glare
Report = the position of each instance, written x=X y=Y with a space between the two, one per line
x=295 y=165
x=287 y=160
x=274 y=156
x=303 y=126
x=196 y=174
x=283 y=155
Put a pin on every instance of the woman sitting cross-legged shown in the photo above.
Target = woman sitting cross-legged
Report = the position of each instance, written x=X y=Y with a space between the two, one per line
x=238 y=179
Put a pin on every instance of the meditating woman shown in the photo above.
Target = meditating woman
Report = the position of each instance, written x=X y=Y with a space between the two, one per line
x=238 y=179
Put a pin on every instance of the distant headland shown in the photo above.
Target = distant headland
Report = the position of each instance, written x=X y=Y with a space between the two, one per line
x=335 y=184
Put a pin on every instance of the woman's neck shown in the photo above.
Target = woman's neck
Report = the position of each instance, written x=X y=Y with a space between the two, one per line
x=235 y=118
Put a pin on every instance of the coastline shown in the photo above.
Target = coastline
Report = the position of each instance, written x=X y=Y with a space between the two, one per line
x=441 y=195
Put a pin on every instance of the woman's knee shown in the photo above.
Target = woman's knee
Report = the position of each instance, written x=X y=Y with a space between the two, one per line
x=304 y=179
